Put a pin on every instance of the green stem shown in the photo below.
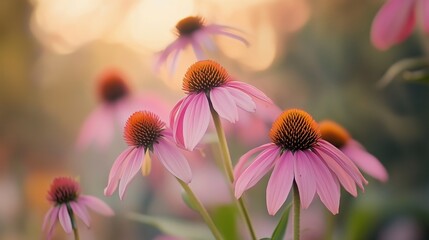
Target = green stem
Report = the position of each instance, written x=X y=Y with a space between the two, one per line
x=330 y=225
x=227 y=164
x=296 y=211
x=200 y=208
x=73 y=222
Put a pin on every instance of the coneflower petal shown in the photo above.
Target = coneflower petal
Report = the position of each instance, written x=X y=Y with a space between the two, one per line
x=116 y=171
x=81 y=212
x=263 y=163
x=328 y=187
x=99 y=122
x=224 y=104
x=131 y=168
x=50 y=220
x=365 y=161
x=280 y=182
x=96 y=205
x=199 y=53
x=225 y=30
x=393 y=23
x=173 y=160
x=305 y=178
x=64 y=217
x=196 y=119
x=242 y=99
x=238 y=169
x=249 y=89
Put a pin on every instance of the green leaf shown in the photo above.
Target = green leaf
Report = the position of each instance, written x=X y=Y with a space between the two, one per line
x=402 y=66
x=174 y=227
x=225 y=219
x=280 y=230
x=419 y=76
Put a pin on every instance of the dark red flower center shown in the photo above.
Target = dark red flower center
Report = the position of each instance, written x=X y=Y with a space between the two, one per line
x=295 y=130
x=189 y=25
x=334 y=133
x=112 y=87
x=203 y=76
x=63 y=190
x=143 y=129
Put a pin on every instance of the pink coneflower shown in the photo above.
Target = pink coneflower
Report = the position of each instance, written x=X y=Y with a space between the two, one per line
x=395 y=21
x=68 y=202
x=299 y=156
x=340 y=138
x=147 y=138
x=192 y=31
x=116 y=103
x=209 y=88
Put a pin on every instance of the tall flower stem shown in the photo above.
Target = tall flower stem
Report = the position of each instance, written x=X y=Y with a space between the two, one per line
x=296 y=211
x=227 y=164
x=200 y=208
x=73 y=221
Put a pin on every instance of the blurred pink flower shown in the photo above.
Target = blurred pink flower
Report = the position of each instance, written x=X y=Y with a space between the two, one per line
x=116 y=104
x=298 y=154
x=194 y=32
x=66 y=198
x=147 y=138
x=395 y=21
x=209 y=88
x=340 y=138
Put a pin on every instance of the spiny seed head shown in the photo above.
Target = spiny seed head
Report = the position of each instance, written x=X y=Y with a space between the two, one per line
x=143 y=129
x=203 y=76
x=334 y=133
x=295 y=130
x=112 y=86
x=63 y=190
x=187 y=26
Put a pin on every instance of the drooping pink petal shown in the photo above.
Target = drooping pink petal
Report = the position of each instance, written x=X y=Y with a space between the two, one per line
x=225 y=30
x=364 y=160
x=173 y=160
x=131 y=168
x=81 y=212
x=177 y=45
x=249 y=89
x=65 y=220
x=196 y=118
x=263 y=163
x=96 y=205
x=280 y=182
x=97 y=128
x=304 y=177
x=116 y=171
x=328 y=187
x=239 y=167
x=224 y=104
x=424 y=12
x=51 y=218
x=199 y=52
x=344 y=162
x=345 y=179
x=393 y=23
x=242 y=99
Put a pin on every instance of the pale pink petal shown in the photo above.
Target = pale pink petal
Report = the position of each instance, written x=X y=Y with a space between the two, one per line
x=239 y=167
x=81 y=212
x=364 y=160
x=393 y=23
x=173 y=160
x=176 y=116
x=50 y=220
x=225 y=30
x=304 y=177
x=249 y=89
x=345 y=179
x=424 y=11
x=177 y=45
x=199 y=53
x=96 y=205
x=116 y=171
x=280 y=182
x=97 y=128
x=328 y=187
x=343 y=161
x=224 y=104
x=131 y=168
x=242 y=99
x=263 y=163
x=196 y=118
x=65 y=220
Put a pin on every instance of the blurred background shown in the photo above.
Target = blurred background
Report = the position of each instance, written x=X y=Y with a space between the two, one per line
x=314 y=55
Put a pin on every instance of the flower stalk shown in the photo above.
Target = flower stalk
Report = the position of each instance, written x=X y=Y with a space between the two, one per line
x=296 y=211
x=227 y=164
x=73 y=222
